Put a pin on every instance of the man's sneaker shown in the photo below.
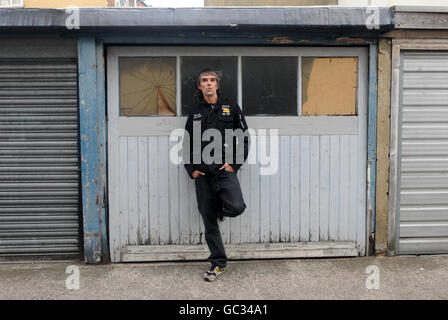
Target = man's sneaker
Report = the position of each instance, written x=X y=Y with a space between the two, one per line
x=213 y=273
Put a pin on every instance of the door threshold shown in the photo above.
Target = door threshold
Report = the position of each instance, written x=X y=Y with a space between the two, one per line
x=318 y=249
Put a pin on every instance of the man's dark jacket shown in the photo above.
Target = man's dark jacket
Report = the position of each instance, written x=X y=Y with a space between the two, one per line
x=224 y=115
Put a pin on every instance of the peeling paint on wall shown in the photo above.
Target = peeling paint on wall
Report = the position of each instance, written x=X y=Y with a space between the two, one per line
x=352 y=40
x=383 y=146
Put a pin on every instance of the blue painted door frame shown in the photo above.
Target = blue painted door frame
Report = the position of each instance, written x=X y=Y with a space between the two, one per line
x=92 y=108
x=371 y=146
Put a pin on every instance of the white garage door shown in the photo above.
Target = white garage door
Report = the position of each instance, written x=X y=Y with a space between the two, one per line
x=318 y=193
x=423 y=205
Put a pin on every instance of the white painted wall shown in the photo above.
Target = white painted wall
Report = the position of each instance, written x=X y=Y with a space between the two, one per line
x=386 y=3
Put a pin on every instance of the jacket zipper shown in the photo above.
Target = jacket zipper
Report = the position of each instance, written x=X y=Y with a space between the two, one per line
x=206 y=121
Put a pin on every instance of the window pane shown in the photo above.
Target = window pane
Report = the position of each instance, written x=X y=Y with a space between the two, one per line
x=269 y=85
x=227 y=67
x=147 y=86
x=329 y=85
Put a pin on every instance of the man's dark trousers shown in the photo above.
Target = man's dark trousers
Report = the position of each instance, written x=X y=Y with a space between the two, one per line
x=218 y=193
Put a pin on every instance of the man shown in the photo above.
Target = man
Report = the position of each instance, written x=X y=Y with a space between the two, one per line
x=218 y=191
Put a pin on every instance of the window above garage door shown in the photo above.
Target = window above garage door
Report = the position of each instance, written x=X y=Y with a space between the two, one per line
x=156 y=81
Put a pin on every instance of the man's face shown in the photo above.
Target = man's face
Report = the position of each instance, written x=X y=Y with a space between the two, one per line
x=208 y=84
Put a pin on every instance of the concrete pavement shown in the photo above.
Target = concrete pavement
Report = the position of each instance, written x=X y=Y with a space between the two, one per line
x=422 y=277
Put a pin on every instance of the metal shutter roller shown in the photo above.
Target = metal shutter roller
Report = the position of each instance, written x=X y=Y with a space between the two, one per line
x=39 y=158
x=424 y=154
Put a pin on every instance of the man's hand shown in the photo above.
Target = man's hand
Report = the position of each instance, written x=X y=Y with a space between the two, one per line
x=227 y=167
x=196 y=173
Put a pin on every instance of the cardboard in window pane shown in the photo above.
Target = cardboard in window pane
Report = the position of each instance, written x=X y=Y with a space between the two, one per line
x=329 y=85
x=269 y=85
x=147 y=86
x=227 y=68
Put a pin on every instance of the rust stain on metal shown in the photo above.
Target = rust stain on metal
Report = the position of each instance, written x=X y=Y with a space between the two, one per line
x=281 y=40
x=351 y=40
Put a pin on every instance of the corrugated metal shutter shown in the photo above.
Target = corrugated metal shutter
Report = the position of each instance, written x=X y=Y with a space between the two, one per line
x=424 y=154
x=39 y=158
